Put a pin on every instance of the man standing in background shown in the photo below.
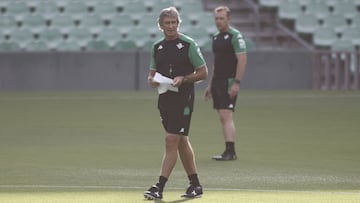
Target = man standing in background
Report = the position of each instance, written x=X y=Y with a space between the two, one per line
x=229 y=66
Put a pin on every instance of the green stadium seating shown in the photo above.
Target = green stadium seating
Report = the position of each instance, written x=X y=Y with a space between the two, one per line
x=289 y=10
x=343 y=45
x=148 y=20
x=9 y=46
x=82 y=35
x=93 y=22
x=336 y=21
x=76 y=9
x=97 y=45
x=319 y=8
x=8 y=24
x=111 y=35
x=106 y=9
x=125 y=45
x=270 y=3
x=47 y=9
x=135 y=7
x=324 y=37
x=62 y=22
x=348 y=9
x=52 y=36
x=22 y=37
x=18 y=9
x=306 y=23
x=36 y=45
x=352 y=34
x=122 y=22
x=355 y=21
x=34 y=22
x=68 y=45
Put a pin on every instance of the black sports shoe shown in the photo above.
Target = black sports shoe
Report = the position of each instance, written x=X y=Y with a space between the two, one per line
x=153 y=193
x=225 y=157
x=193 y=191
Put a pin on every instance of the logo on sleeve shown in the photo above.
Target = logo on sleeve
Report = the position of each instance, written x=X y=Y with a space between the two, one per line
x=242 y=43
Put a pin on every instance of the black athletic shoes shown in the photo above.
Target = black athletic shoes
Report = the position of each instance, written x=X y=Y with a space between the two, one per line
x=225 y=157
x=153 y=193
x=193 y=192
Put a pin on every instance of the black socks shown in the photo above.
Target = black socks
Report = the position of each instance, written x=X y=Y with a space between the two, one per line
x=230 y=147
x=194 y=180
x=161 y=183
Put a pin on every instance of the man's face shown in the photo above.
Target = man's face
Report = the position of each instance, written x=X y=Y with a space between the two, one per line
x=170 y=27
x=221 y=20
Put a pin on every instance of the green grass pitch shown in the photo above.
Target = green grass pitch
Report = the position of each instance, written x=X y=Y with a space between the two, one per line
x=293 y=146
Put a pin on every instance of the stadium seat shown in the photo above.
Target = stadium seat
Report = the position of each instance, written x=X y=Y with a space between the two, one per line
x=135 y=7
x=68 y=45
x=34 y=22
x=111 y=35
x=93 y=22
x=105 y=9
x=336 y=21
x=148 y=20
x=289 y=10
x=355 y=21
x=200 y=35
x=306 y=23
x=155 y=6
x=97 y=45
x=122 y=22
x=319 y=8
x=125 y=45
x=188 y=8
x=7 y=24
x=21 y=36
x=47 y=9
x=324 y=37
x=270 y=3
x=62 y=22
x=343 y=45
x=147 y=46
x=346 y=8
x=52 y=37
x=352 y=34
x=18 y=9
x=9 y=46
x=36 y=45
x=81 y=35
x=207 y=46
x=76 y=9
x=139 y=35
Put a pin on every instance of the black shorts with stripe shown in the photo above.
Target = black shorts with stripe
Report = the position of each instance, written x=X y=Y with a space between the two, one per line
x=220 y=93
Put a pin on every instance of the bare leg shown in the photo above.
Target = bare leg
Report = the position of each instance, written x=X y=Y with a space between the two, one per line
x=187 y=155
x=228 y=126
x=170 y=155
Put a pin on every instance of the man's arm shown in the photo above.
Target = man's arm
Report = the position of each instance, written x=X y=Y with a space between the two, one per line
x=199 y=74
x=240 y=70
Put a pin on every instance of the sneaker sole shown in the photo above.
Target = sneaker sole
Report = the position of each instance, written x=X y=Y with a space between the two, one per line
x=190 y=196
x=150 y=197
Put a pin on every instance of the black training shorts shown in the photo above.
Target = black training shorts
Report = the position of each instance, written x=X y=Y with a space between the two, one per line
x=220 y=94
x=176 y=121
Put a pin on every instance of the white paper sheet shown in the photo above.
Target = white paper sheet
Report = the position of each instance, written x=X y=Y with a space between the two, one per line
x=165 y=83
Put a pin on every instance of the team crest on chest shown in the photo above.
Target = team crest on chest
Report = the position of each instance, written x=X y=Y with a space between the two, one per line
x=179 y=45
x=160 y=47
x=226 y=36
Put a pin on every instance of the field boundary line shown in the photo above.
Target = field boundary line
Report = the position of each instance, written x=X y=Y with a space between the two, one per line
x=169 y=188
